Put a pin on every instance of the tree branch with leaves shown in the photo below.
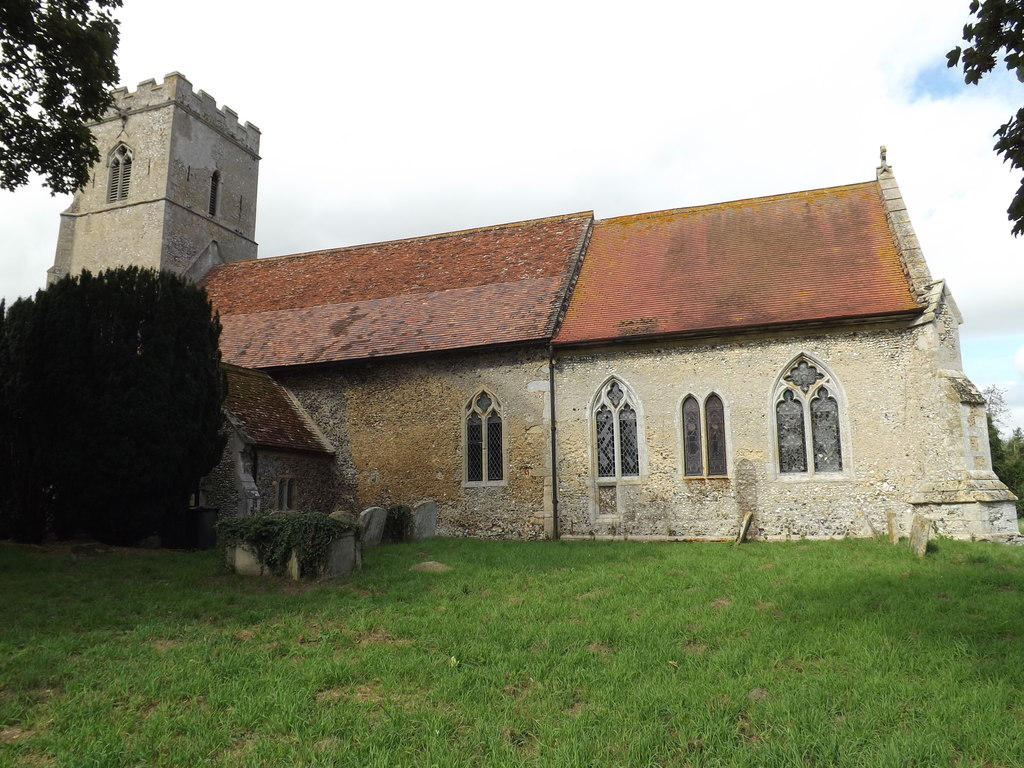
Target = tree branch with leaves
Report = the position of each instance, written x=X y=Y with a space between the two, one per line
x=998 y=30
x=56 y=71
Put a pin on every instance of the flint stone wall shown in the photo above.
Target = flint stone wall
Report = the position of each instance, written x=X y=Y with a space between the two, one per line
x=313 y=476
x=899 y=419
x=398 y=429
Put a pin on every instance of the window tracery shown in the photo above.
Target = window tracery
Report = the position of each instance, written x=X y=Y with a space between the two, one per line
x=616 y=431
x=120 y=174
x=807 y=421
x=484 y=440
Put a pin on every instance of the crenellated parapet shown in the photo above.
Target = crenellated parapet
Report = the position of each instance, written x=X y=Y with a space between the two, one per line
x=176 y=88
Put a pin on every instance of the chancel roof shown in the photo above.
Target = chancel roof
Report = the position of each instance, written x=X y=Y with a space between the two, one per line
x=268 y=414
x=807 y=257
x=481 y=287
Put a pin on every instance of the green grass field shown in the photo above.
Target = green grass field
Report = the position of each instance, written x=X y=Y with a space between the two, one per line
x=847 y=653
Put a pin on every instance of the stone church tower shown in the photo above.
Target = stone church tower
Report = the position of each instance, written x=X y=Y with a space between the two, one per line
x=175 y=188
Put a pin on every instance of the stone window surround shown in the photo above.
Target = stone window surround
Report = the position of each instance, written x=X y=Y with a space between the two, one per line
x=285 y=494
x=498 y=408
x=591 y=416
x=702 y=399
x=835 y=389
x=120 y=159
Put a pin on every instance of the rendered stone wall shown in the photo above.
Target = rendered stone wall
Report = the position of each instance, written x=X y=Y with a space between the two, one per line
x=900 y=423
x=401 y=425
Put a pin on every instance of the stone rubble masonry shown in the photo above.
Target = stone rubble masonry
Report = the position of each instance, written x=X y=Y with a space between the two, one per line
x=397 y=426
x=903 y=426
x=178 y=139
x=312 y=475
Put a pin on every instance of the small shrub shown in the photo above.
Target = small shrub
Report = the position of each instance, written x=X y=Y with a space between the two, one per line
x=274 y=536
x=397 y=524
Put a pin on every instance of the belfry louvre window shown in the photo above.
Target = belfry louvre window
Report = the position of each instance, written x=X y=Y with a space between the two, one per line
x=807 y=421
x=214 y=192
x=704 y=437
x=120 y=174
x=485 y=460
x=616 y=433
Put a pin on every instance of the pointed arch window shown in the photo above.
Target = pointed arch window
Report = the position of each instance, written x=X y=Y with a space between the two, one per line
x=214 y=193
x=617 y=432
x=704 y=451
x=120 y=174
x=485 y=455
x=807 y=421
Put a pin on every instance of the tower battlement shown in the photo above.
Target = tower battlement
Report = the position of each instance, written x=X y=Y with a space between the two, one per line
x=177 y=88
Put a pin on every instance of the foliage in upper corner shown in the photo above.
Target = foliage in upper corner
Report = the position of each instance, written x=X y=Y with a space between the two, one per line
x=999 y=27
x=111 y=390
x=56 y=71
x=274 y=536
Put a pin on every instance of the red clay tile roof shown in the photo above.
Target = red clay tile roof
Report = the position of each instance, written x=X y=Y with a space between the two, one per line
x=268 y=414
x=821 y=255
x=478 y=287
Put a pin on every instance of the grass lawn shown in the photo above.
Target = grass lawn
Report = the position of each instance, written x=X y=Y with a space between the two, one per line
x=846 y=653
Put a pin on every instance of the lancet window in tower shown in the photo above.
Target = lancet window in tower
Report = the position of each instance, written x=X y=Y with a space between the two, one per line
x=807 y=421
x=214 y=193
x=704 y=437
x=616 y=432
x=485 y=460
x=120 y=174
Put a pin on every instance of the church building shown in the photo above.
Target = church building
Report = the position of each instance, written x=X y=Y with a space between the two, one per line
x=787 y=360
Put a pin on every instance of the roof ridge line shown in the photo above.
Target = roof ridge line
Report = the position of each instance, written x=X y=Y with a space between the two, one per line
x=779 y=196
x=418 y=238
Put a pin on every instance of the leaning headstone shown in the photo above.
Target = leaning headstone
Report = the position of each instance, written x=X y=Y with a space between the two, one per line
x=424 y=520
x=890 y=521
x=371 y=525
x=920 y=530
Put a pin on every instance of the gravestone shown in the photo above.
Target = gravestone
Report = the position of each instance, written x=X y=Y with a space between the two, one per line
x=424 y=520
x=920 y=530
x=371 y=525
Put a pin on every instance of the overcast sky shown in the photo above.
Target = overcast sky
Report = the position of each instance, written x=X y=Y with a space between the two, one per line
x=393 y=119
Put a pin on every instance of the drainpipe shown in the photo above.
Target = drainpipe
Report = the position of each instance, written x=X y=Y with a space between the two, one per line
x=554 y=454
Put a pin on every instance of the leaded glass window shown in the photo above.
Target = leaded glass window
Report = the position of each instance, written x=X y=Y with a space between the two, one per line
x=807 y=421
x=605 y=442
x=789 y=415
x=693 y=452
x=474 y=448
x=494 y=458
x=704 y=437
x=714 y=414
x=485 y=456
x=828 y=456
x=120 y=174
x=616 y=433
x=629 y=448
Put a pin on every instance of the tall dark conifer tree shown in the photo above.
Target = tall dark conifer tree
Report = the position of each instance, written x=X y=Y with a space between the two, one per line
x=114 y=392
